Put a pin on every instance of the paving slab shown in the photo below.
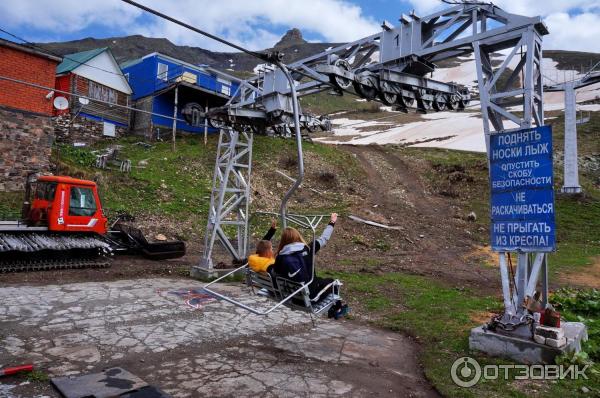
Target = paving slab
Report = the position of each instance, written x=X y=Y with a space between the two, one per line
x=170 y=334
x=109 y=383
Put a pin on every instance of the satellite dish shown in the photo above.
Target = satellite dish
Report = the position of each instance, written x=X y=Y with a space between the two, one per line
x=61 y=103
x=83 y=101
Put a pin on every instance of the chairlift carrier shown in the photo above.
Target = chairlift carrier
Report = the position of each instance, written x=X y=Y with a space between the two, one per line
x=285 y=292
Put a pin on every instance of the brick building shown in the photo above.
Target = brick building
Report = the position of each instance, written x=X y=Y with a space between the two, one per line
x=26 y=130
x=23 y=63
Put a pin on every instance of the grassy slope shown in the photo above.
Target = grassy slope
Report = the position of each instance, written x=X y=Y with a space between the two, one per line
x=440 y=315
x=174 y=187
x=324 y=103
x=573 y=60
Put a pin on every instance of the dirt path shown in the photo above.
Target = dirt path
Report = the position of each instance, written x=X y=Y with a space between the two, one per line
x=588 y=277
x=434 y=239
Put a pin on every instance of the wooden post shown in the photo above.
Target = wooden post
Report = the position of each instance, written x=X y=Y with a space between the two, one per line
x=175 y=115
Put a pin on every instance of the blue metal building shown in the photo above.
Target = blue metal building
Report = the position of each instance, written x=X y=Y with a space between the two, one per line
x=156 y=80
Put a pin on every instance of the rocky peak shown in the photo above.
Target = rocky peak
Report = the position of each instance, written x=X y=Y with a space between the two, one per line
x=291 y=37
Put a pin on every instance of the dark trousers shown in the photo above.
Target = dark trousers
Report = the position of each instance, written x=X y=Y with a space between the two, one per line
x=319 y=284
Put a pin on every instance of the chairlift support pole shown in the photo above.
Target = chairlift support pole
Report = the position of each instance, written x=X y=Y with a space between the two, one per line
x=570 y=164
x=300 y=156
x=174 y=127
x=229 y=200
x=570 y=161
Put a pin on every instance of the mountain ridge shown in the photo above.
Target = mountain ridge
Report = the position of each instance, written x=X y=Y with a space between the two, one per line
x=292 y=44
x=125 y=48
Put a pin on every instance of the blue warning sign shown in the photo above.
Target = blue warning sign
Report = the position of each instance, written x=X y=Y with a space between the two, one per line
x=522 y=193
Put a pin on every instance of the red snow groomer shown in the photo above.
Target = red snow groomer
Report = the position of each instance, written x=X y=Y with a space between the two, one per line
x=63 y=225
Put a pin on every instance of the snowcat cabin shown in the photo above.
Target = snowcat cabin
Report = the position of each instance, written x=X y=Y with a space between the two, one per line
x=67 y=204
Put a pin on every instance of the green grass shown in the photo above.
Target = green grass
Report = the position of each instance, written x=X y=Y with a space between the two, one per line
x=577 y=217
x=176 y=185
x=440 y=318
x=172 y=183
x=578 y=232
x=10 y=205
x=38 y=376
x=324 y=103
x=582 y=306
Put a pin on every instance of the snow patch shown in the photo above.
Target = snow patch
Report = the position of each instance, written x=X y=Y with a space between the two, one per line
x=450 y=130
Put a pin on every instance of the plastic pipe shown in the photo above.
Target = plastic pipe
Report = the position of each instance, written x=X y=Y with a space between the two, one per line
x=16 y=369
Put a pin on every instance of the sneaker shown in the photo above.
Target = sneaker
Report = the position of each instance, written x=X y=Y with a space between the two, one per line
x=264 y=293
x=342 y=312
x=334 y=309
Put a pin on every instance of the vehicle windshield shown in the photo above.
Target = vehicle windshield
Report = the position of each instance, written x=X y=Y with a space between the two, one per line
x=82 y=202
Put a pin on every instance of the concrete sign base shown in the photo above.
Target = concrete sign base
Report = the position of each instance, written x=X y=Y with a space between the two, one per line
x=526 y=351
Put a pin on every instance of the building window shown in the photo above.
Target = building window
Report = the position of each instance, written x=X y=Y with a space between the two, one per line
x=102 y=93
x=163 y=72
x=225 y=86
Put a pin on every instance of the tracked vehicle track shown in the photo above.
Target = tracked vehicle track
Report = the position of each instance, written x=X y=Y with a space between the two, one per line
x=43 y=265
x=50 y=251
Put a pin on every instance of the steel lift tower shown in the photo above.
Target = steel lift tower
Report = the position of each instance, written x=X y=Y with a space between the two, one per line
x=391 y=67
x=571 y=166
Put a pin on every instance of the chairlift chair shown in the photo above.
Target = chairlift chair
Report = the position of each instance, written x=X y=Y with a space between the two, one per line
x=284 y=292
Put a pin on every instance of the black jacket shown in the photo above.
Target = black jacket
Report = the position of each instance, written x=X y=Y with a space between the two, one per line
x=295 y=261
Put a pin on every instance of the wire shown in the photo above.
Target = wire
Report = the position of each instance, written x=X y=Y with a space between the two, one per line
x=10 y=79
x=467 y=2
x=270 y=58
x=261 y=56
x=33 y=45
x=137 y=78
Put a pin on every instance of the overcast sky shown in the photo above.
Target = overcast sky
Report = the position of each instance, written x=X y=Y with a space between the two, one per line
x=258 y=24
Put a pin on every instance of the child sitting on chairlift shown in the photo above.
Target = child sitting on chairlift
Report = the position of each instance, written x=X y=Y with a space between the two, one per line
x=264 y=257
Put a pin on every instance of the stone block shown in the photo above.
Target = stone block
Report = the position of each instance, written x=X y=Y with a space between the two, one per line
x=539 y=339
x=556 y=343
x=550 y=332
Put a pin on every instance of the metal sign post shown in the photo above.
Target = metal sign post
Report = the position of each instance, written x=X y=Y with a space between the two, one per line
x=522 y=215
x=522 y=212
